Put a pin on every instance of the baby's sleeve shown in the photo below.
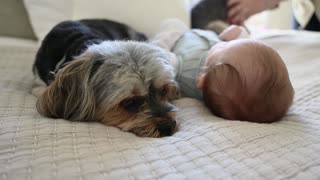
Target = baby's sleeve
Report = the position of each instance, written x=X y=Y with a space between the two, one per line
x=170 y=31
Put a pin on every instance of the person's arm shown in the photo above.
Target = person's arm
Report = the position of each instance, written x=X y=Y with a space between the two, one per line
x=241 y=10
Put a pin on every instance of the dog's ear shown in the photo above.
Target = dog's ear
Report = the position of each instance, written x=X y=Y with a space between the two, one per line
x=70 y=96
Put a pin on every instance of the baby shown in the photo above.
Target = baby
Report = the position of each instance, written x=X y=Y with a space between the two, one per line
x=240 y=79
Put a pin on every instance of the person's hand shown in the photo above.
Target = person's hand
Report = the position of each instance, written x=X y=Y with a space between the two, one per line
x=241 y=10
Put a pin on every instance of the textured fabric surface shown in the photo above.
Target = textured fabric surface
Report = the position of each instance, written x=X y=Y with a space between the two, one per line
x=205 y=147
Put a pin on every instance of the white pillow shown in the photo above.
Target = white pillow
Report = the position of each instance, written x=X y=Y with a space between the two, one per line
x=44 y=14
x=143 y=15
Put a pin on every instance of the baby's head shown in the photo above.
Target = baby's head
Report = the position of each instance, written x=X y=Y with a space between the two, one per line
x=246 y=80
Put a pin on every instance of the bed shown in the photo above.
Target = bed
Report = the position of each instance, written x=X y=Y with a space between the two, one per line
x=205 y=147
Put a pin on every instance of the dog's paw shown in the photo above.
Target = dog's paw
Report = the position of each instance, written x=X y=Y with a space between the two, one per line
x=38 y=90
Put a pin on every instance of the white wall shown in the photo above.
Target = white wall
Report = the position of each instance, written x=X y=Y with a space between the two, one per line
x=143 y=15
x=146 y=15
x=279 y=18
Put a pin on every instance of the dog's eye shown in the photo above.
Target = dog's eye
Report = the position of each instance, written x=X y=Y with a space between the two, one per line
x=164 y=91
x=133 y=104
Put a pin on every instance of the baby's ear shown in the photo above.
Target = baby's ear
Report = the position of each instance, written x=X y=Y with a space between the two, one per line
x=203 y=76
x=200 y=83
x=220 y=75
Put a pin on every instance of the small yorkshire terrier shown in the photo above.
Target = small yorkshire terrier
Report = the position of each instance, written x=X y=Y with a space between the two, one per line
x=92 y=75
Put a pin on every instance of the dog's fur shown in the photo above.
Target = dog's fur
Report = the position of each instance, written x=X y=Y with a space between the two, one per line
x=126 y=84
x=71 y=38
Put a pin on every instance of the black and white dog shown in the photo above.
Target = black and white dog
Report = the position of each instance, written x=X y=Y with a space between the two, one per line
x=96 y=70
x=70 y=38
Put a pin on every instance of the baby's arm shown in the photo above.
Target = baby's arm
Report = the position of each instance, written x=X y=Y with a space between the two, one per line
x=227 y=32
x=234 y=32
x=170 y=31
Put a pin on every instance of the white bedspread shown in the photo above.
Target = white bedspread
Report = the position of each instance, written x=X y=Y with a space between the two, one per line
x=205 y=147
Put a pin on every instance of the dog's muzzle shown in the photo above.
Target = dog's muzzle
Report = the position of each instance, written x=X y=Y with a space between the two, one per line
x=167 y=127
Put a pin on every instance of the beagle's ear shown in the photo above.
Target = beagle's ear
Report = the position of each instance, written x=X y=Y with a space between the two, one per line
x=70 y=96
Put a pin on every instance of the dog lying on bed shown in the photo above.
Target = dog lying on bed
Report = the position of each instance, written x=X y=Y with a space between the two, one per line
x=92 y=75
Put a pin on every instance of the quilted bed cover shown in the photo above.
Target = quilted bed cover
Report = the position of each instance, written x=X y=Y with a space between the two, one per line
x=205 y=147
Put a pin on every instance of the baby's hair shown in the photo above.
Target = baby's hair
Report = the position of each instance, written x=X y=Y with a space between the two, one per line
x=229 y=94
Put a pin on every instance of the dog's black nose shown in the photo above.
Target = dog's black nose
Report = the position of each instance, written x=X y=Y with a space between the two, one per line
x=167 y=127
